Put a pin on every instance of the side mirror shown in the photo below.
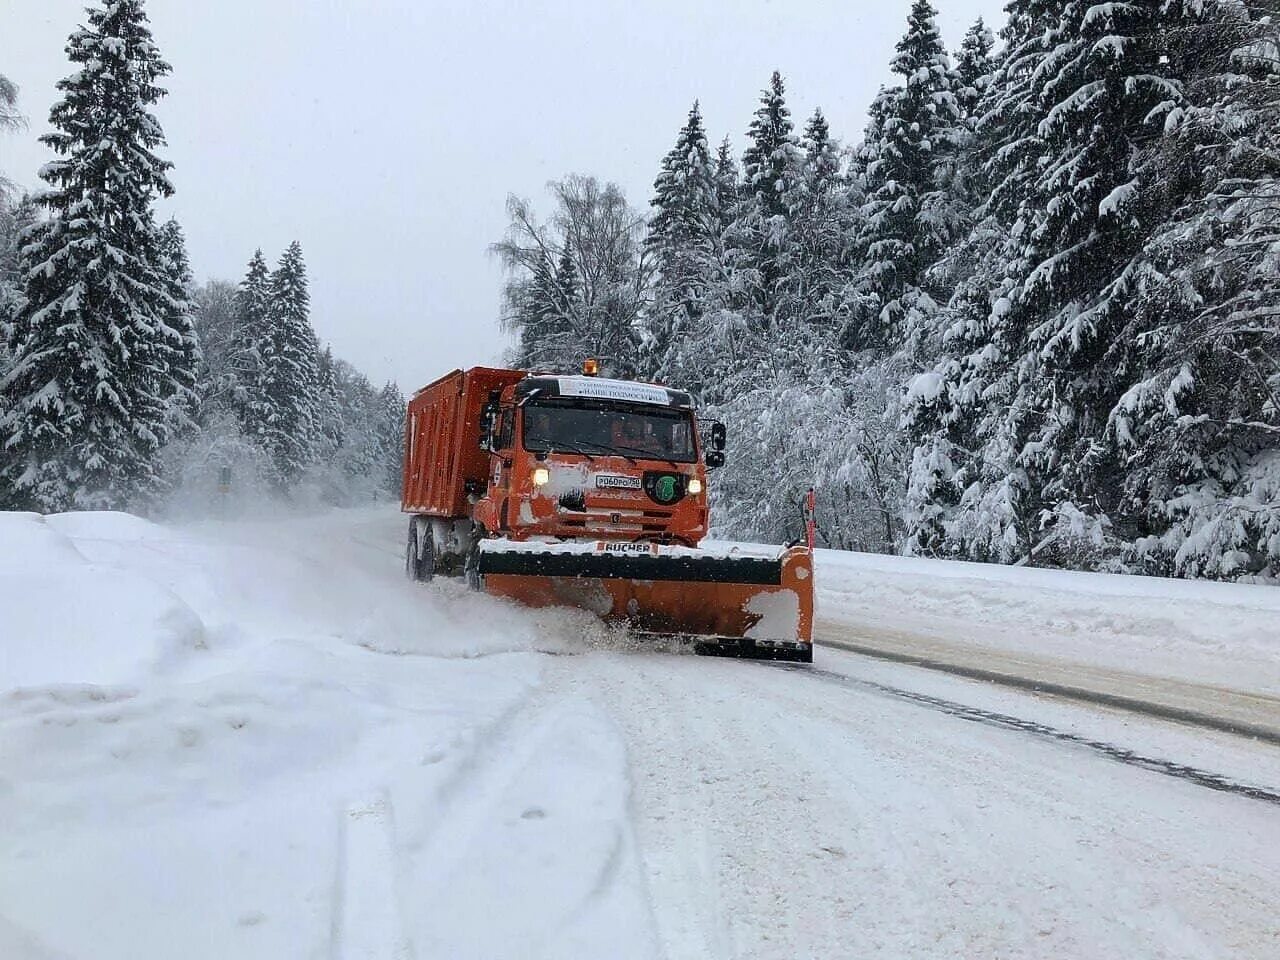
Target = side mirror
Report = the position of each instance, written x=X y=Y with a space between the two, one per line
x=717 y=436
x=715 y=440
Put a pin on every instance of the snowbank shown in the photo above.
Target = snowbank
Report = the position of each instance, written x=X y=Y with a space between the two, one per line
x=1194 y=630
x=66 y=620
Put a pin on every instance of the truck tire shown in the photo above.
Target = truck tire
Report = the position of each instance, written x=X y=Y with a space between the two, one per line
x=471 y=565
x=419 y=553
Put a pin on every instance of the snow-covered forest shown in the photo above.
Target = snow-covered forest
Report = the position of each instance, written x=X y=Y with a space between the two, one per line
x=123 y=383
x=1031 y=315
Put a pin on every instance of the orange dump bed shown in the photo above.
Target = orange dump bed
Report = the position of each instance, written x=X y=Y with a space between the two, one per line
x=442 y=440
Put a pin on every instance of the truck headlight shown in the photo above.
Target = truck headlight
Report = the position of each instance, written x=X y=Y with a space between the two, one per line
x=541 y=476
x=695 y=485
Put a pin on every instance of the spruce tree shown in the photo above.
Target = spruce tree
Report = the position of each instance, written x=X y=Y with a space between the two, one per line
x=391 y=411
x=967 y=496
x=91 y=381
x=684 y=199
x=331 y=432
x=682 y=238
x=1103 y=98
x=759 y=243
x=183 y=358
x=910 y=213
x=1195 y=421
x=244 y=361
x=548 y=314
x=974 y=67
x=816 y=290
x=771 y=156
x=728 y=185
x=288 y=382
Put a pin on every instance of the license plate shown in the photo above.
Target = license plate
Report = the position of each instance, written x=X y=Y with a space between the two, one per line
x=607 y=481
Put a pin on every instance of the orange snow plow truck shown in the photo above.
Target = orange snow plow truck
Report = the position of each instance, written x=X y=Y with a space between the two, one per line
x=589 y=492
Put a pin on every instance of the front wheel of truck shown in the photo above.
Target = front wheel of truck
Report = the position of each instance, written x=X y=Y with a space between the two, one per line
x=471 y=564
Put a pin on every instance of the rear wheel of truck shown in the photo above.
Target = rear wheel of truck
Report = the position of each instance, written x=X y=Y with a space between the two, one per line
x=419 y=552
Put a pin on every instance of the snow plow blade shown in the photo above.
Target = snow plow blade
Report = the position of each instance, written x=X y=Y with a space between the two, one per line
x=736 y=603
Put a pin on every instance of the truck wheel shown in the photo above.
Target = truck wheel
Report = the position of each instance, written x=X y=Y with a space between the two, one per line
x=419 y=553
x=471 y=566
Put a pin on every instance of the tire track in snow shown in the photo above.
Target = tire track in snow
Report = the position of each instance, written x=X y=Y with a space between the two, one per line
x=1201 y=778
x=366 y=922
x=524 y=847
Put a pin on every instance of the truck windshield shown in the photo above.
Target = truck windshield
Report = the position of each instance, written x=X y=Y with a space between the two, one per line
x=603 y=427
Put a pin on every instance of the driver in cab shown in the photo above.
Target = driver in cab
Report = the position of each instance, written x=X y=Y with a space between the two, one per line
x=630 y=435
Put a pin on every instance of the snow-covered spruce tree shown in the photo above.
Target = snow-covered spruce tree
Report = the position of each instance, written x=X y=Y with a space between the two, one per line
x=759 y=251
x=1118 y=382
x=90 y=385
x=544 y=307
x=330 y=429
x=243 y=371
x=16 y=216
x=966 y=495
x=728 y=184
x=683 y=239
x=1197 y=427
x=816 y=295
x=1104 y=97
x=287 y=387
x=974 y=66
x=183 y=360
x=389 y=434
x=910 y=214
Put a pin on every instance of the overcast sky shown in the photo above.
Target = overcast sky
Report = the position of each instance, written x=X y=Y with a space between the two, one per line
x=386 y=134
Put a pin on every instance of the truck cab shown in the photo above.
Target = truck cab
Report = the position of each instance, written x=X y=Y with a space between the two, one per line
x=586 y=457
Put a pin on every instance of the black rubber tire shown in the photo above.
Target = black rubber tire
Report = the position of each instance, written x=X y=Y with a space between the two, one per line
x=471 y=565
x=411 y=551
x=419 y=555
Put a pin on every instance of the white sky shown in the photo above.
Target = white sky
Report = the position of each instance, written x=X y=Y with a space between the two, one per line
x=386 y=134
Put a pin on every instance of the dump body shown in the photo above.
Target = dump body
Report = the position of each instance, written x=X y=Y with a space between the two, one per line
x=590 y=492
x=442 y=441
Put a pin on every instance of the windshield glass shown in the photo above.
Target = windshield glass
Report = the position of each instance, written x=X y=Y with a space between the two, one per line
x=599 y=427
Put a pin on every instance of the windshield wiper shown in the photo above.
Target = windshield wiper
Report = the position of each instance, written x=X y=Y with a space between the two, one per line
x=646 y=454
x=575 y=447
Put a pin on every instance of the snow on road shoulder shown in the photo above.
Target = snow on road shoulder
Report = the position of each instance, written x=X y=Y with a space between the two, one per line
x=237 y=739
x=1209 y=633
x=67 y=620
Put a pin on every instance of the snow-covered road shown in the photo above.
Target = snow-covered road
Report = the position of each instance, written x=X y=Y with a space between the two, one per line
x=258 y=740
